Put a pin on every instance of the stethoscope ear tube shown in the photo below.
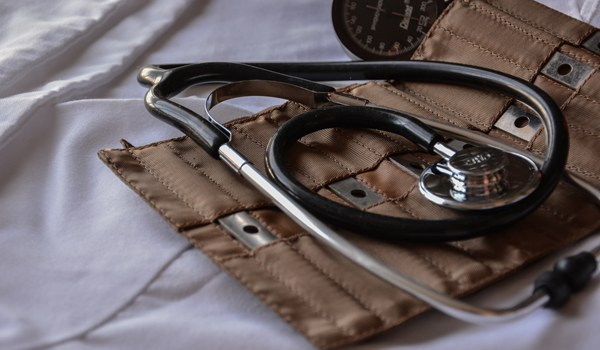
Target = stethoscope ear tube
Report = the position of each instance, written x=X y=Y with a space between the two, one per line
x=169 y=80
x=355 y=117
x=202 y=131
x=166 y=81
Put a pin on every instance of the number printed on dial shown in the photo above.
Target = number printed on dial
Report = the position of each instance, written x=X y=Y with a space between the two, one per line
x=387 y=29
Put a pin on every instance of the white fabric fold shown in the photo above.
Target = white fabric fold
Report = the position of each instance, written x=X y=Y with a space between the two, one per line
x=73 y=248
x=32 y=31
x=589 y=10
x=583 y=10
x=86 y=60
x=207 y=309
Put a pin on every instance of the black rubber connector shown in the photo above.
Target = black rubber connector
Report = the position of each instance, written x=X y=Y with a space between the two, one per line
x=569 y=276
x=556 y=286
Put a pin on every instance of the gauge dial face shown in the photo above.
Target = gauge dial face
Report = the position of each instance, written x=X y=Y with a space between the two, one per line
x=384 y=29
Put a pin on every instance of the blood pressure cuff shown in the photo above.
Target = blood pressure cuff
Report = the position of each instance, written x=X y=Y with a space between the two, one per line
x=324 y=296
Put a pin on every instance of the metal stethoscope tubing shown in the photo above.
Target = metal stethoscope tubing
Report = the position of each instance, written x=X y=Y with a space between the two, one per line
x=213 y=139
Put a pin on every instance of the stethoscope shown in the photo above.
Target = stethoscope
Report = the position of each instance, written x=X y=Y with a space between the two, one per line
x=481 y=177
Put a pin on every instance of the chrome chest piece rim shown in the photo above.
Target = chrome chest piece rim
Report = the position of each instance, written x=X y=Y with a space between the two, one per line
x=479 y=178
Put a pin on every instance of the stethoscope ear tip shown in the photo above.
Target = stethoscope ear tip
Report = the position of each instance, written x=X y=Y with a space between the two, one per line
x=150 y=75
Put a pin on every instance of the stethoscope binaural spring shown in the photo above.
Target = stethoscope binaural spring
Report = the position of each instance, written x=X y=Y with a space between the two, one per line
x=551 y=289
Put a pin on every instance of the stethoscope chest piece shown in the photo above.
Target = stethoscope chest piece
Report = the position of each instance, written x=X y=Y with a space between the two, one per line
x=478 y=178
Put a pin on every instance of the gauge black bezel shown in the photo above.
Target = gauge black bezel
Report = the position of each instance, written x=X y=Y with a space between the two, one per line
x=356 y=50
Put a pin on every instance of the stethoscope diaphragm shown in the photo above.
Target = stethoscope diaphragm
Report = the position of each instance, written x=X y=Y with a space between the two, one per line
x=479 y=178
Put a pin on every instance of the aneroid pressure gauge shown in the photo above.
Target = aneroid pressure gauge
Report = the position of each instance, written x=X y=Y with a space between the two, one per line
x=384 y=29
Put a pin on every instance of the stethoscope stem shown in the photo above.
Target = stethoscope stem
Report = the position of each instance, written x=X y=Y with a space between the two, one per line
x=443 y=151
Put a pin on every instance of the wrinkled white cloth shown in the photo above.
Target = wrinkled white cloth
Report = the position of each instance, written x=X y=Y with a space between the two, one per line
x=86 y=264
x=584 y=10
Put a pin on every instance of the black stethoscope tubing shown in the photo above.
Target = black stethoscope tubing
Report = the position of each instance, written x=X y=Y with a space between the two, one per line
x=369 y=223
x=386 y=227
x=376 y=225
x=211 y=137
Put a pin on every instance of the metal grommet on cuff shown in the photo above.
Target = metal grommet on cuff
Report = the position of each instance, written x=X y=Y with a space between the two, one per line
x=593 y=43
x=567 y=71
x=519 y=122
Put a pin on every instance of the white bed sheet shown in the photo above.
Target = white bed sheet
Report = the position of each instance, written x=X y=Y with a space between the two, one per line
x=86 y=264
